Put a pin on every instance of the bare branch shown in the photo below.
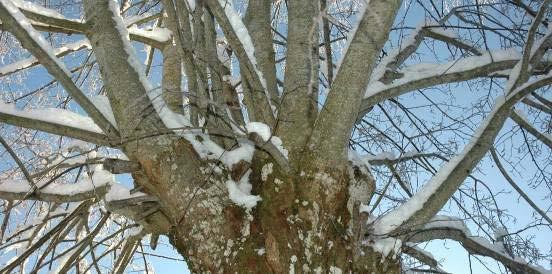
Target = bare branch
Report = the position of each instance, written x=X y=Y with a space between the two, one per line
x=517 y=188
x=520 y=120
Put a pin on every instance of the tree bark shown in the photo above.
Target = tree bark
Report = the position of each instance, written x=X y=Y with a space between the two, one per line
x=303 y=224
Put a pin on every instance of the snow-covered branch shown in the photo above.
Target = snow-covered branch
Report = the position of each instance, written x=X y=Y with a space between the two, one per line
x=55 y=121
x=421 y=76
x=49 y=191
x=435 y=193
x=31 y=61
x=238 y=37
x=34 y=42
x=44 y=19
x=449 y=228
x=420 y=255
x=386 y=158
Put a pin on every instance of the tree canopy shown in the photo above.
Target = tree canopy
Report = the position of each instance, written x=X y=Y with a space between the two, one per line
x=275 y=136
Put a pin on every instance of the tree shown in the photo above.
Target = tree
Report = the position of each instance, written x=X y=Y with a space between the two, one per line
x=268 y=143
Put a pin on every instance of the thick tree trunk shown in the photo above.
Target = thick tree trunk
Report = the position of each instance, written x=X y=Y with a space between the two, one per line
x=305 y=221
x=302 y=225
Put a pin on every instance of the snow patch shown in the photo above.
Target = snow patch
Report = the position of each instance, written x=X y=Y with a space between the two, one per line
x=387 y=246
x=335 y=270
x=260 y=128
x=240 y=193
x=161 y=35
x=266 y=171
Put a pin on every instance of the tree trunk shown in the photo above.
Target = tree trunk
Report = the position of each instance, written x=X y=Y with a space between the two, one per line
x=302 y=225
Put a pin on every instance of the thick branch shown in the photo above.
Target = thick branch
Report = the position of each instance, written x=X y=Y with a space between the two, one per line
x=126 y=85
x=73 y=130
x=435 y=193
x=423 y=75
x=299 y=106
x=33 y=41
x=242 y=45
x=333 y=126
x=58 y=193
x=475 y=245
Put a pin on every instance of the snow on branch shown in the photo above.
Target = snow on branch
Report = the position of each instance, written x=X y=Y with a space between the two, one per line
x=38 y=9
x=420 y=76
x=444 y=227
x=56 y=121
x=422 y=256
x=438 y=190
x=32 y=61
x=156 y=36
x=50 y=191
x=45 y=19
x=55 y=192
x=386 y=158
x=238 y=37
x=171 y=119
x=34 y=42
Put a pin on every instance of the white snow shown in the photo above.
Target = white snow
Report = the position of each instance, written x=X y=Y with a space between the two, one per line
x=261 y=251
x=161 y=35
x=387 y=246
x=53 y=115
x=357 y=159
x=424 y=71
x=383 y=156
x=34 y=34
x=441 y=221
x=240 y=193
x=28 y=62
x=62 y=189
x=192 y=4
x=293 y=260
x=335 y=270
x=38 y=9
x=120 y=192
x=277 y=142
x=266 y=171
x=260 y=128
